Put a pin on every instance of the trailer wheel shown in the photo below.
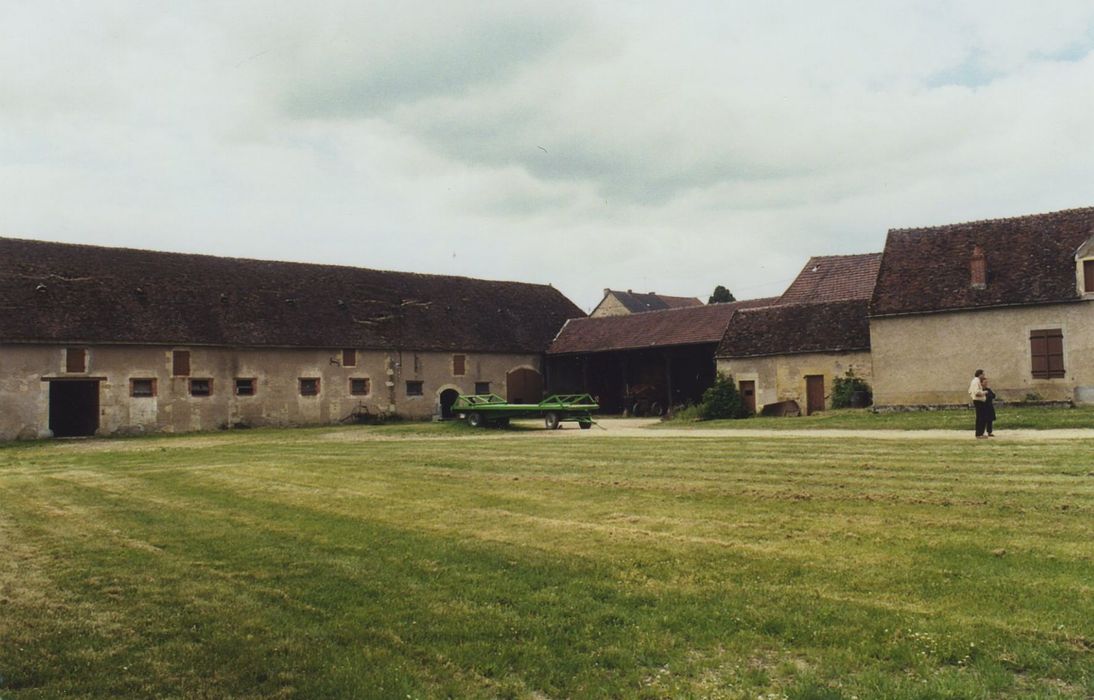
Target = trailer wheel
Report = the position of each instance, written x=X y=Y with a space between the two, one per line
x=551 y=420
x=584 y=424
x=475 y=420
x=656 y=409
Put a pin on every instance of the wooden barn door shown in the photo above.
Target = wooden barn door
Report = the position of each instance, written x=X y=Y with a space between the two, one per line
x=748 y=395
x=814 y=393
x=524 y=386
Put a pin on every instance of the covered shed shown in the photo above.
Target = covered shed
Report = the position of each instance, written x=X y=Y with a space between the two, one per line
x=649 y=361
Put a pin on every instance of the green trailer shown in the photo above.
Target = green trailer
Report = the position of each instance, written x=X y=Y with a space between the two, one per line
x=491 y=409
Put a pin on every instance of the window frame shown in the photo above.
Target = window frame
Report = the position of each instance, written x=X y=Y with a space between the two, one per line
x=302 y=380
x=72 y=367
x=459 y=365
x=479 y=385
x=133 y=387
x=368 y=386
x=181 y=363
x=252 y=380
x=1046 y=354
x=349 y=357
x=420 y=388
x=190 y=387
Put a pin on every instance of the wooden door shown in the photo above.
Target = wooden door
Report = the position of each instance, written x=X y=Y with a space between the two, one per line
x=814 y=393
x=748 y=395
x=524 y=386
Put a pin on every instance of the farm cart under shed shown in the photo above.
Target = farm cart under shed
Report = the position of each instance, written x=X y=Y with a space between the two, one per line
x=491 y=409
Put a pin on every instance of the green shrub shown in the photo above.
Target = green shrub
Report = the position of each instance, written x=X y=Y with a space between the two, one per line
x=722 y=400
x=848 y=385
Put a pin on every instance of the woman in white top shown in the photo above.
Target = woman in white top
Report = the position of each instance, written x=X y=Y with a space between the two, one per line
x=976 y=393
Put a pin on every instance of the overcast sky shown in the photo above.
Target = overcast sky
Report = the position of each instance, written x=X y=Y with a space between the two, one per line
x=665 y=147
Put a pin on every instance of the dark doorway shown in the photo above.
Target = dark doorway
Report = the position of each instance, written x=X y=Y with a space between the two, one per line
x=448 y=397
x=814 y=393
x=73 y=408
x=524 y=386
x=748 y=395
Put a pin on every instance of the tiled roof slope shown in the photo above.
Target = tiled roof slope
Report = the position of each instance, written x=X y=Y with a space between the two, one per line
x=639 y=303
x=839 y=326
x=687 y=326
x=56 y=292
x=834 y=278
x=1030 y=260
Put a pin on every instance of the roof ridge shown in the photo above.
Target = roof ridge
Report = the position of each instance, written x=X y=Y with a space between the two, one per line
x=997 y=220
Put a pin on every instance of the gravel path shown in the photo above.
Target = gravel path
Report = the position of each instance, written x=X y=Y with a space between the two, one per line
x=639 y=427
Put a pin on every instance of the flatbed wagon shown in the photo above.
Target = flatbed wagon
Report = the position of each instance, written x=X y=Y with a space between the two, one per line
x=491 y=409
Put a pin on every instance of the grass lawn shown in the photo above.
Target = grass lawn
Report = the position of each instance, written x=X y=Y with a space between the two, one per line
x=433 y=561
x=1009 y=418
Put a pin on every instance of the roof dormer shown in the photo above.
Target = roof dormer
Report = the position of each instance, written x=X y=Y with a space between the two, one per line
x=1084 y=269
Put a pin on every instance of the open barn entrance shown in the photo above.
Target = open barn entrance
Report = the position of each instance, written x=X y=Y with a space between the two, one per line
x=73 y=408
x=448 y=397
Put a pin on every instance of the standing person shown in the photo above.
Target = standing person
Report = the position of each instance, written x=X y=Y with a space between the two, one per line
x=976 y=393
x=989 y=406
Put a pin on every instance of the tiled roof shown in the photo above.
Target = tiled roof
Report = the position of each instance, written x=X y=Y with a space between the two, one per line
x=639 y=303
x=687 y=326
x=834 y=278
x=56 y=292
x=1029 y=259
x=839 y=326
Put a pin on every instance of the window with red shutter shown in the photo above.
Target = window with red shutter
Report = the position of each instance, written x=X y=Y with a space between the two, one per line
x=1088 y=275
x=180 y=363
x=76 y=360
x=349 y=357
x=459 y=365
x=1046 y=349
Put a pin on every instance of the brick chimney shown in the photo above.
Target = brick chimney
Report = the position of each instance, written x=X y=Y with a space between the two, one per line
x=978 y=267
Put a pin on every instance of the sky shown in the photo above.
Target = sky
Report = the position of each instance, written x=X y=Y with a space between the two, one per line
x=668 y=147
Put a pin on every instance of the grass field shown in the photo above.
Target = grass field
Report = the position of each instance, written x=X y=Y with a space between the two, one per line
x=1010 y=417
x=432 y=561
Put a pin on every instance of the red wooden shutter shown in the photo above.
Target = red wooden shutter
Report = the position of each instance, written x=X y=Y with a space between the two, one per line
x=459 y=365
x=1046 y=348
x=349 y=357
x=75 y=360
x=180 y=365
x=1088 y=275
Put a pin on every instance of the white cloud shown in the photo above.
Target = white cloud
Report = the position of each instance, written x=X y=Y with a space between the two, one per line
x=650 y=146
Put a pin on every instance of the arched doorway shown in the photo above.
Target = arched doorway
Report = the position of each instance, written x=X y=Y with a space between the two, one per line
x=448 y=397
x=523 y=385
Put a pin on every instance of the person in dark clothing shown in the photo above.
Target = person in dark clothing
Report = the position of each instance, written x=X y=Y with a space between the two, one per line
x=976 y=393
x=989 y=407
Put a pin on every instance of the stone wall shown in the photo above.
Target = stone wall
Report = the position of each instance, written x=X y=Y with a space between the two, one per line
x=277 y=400
x=782 y=377
x=928 y=359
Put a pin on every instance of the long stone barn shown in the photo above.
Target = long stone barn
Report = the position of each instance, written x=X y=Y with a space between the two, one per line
x=97 y=341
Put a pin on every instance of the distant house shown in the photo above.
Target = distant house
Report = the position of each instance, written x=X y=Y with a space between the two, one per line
x=649 y=361
x=795 y=349
x=100 y=340
x=617 y=303
x=1014 y=297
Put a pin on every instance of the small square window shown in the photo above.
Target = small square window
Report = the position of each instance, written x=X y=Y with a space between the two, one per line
x=142 y=388
x=180 y=363
x=201 y=387
x=414 y=388
x=245 y=387
x=75 y=360
x=482 y=388
x=459 y=365
x=349 y=358
x=309 y=387
x=359 y=386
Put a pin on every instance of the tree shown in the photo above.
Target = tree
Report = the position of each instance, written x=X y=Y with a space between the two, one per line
x=721 y=295
x=722 y=400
